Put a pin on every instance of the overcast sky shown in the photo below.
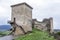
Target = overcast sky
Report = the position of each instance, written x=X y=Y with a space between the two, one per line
x=41 y=9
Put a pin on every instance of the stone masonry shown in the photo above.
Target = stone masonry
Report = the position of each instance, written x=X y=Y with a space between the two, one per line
x=23 y=17
x=45 y=25
x=22 y=22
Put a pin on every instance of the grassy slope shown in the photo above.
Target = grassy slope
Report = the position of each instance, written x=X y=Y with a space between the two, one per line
x=36 y=35
x=4 y=33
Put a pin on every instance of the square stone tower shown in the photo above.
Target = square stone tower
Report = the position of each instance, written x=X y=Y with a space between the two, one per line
x=23 y=16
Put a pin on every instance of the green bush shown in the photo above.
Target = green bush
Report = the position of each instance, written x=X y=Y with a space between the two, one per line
x=58 y=33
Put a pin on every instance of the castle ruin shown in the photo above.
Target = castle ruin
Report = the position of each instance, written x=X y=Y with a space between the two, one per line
x=22 y=22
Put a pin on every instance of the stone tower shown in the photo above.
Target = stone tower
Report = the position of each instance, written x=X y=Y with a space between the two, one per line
x=51 y=25
x=23 y=16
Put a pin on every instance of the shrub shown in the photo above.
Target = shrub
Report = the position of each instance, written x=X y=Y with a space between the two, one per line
x=58 y=33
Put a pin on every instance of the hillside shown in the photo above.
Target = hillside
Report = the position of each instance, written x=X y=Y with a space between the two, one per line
x=5 y=27
x=36 y=35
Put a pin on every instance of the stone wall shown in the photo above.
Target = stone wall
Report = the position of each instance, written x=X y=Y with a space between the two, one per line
x=45 y=25
x=23 y=15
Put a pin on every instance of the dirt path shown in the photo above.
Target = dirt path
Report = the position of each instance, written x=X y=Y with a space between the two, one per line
x=9 y=37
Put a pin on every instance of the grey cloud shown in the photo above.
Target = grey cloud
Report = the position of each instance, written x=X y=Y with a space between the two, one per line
x=49 y=8
x=3 y=20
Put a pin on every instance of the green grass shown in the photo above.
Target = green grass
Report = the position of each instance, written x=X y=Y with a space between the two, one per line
x=4 y=33
x=36 y=35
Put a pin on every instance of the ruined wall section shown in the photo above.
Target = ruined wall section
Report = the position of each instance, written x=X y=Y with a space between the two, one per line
x=45 y=25
x=40 y=25
x=51 y=24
